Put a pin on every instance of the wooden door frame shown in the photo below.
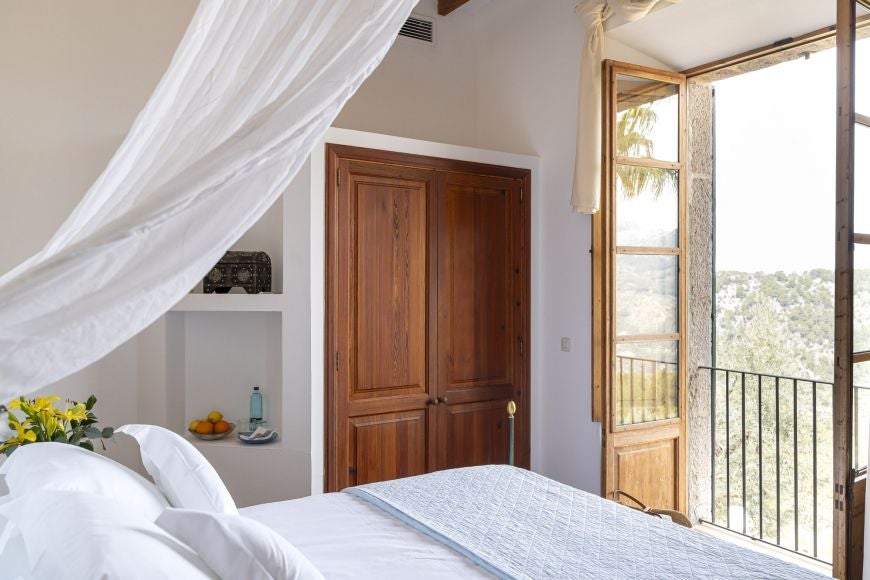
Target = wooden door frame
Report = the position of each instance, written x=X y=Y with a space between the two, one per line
x=846 y=563
x=334 y=153
x=603 y=288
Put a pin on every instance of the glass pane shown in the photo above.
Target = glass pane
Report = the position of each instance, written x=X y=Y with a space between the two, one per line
x=646 y=382
x=647 y=206
x=861 y=299
x=646 y=294
x=861 y=414
x=647 y=119
x=862 y=179
x=862 y=75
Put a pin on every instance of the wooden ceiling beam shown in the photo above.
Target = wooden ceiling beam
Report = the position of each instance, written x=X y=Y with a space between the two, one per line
x=445 y=7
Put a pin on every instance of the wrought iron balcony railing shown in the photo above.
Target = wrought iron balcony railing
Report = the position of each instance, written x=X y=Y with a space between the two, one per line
x=771 y=449
x=771 y=460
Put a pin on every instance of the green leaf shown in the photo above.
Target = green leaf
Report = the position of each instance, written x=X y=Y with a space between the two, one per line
x=108 y=432
x=75 y=437
x=59 y=436
x=8 y=451
x=92 y=400
x=87 y=445
x=92 y=432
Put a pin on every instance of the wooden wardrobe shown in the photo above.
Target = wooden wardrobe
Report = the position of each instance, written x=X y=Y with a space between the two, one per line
x=427 y=314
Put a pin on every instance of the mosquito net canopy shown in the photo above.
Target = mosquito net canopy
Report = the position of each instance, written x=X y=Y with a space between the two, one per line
x=252 y=87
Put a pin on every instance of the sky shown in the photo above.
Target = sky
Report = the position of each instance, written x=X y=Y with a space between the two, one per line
x=775 y=156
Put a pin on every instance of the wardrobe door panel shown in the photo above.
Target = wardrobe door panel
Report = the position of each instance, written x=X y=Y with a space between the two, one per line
x=481 y=328
x=475 y=433
x=379 y=337
x=387 y=446
x=390 y=289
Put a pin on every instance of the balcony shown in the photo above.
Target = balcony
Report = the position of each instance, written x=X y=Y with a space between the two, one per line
x=771 y=460
x=770 y=452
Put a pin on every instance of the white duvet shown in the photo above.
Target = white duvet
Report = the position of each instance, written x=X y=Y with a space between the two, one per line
x=346 y=537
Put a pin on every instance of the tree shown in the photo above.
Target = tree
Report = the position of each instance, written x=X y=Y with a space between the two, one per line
x=755 y=342
x=633 y=129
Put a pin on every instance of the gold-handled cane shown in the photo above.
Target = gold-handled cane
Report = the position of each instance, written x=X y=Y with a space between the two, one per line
x=511 y=409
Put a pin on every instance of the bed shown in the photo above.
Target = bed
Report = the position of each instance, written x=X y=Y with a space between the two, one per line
x=500 y=521
x=474 y=522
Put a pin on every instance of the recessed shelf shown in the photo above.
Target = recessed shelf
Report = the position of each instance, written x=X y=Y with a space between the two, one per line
x=233 y=441
x=210 y=350
x=231 y=303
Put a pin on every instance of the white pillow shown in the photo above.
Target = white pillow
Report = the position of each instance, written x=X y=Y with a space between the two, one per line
x=181 y=472
x=64 y=467
x=80 y=535
x=238 y=547
x=13 y=553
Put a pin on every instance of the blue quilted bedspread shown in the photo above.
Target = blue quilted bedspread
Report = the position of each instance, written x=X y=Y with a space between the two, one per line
x=517 y=524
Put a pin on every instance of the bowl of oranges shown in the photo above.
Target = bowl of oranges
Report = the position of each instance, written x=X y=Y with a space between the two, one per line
x=211 y=428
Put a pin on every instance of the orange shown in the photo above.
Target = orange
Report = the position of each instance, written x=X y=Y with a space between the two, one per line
x=205 y=428
x=221 y=427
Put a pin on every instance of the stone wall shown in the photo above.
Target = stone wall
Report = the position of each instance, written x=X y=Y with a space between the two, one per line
x=700 y=282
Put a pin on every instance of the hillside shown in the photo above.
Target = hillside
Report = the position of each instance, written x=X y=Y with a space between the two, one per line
x=783 y=323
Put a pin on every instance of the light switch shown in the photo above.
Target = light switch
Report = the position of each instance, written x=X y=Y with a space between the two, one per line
x=566 y=344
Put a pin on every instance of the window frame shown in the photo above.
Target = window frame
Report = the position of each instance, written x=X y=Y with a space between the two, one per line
x=604 y=251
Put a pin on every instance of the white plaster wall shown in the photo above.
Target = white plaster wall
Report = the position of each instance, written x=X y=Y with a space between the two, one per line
x=73 y=76
x=421 y=91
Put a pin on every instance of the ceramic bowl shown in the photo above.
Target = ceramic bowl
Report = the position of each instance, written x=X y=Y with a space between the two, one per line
x=214 y=436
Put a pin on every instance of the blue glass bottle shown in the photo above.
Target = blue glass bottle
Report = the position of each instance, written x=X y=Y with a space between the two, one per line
x=256 y=408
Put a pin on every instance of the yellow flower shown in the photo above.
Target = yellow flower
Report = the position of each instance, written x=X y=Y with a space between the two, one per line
x=44 y=403
x=35 y=406
x=22 y=434
x=49 y=423
x=76 y=413
x=28 y=435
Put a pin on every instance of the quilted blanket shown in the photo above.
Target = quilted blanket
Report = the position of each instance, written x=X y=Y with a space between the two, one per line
x=517 y=524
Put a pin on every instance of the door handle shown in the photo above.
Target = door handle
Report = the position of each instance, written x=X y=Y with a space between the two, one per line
x=442 y=400
x=431 y=401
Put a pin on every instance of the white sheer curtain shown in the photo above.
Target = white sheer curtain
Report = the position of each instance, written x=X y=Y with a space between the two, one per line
x=586 y=195
x=252 y=87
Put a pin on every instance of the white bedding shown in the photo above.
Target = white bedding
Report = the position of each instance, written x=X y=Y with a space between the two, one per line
x=346 y=537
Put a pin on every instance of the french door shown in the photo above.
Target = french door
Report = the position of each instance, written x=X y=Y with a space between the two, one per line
x=852 y=349
x=639 y=293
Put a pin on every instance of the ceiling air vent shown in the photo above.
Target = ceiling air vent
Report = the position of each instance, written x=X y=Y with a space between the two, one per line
x=419 y=29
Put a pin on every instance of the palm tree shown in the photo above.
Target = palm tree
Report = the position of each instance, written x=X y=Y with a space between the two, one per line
x=633 y=127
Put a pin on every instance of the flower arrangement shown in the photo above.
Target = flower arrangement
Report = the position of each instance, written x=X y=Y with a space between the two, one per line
x=74 y=424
